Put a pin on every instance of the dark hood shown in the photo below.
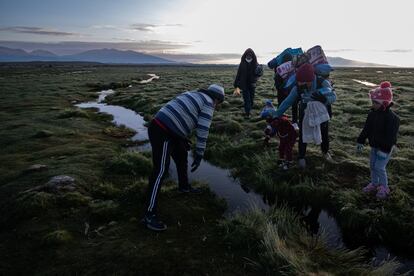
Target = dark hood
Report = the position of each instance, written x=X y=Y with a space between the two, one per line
x=251 y=52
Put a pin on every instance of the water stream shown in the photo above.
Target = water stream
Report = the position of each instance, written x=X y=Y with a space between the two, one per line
x=152 y=77
x=367 y=83
x=227 y=187
x=219 y=180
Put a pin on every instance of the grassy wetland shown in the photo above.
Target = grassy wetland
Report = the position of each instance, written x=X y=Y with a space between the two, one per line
x=91 y=226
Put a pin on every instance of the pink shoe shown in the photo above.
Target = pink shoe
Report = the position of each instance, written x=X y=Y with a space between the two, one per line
x=370 y=188
x=383 y=192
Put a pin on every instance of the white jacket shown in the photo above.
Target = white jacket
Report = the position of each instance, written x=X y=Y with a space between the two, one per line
x=315 y=114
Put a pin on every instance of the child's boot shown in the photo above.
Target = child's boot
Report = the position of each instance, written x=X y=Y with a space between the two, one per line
x=383 y=192
x=287 y=165
x=328 y=157
x=370 y=188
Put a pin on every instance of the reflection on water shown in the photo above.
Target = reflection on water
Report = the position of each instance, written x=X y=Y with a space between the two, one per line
x=382 y=254
x=122 y=116
x=220 y=182
x=365 y=83
x=319 y=222
x=224 y=185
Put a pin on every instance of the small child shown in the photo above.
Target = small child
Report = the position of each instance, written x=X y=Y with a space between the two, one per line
x=286 y=132
x=381 y=128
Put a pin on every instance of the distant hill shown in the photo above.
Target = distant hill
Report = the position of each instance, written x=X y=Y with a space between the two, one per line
x=42 y=53
x=117 y=56
x=127 y=57
x=8 y=52
x=342 y=62
x=99 y=55
x=18 y=55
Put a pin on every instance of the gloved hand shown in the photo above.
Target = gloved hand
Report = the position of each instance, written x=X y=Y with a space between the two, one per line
x=268 y=131
x=236 y=92
x=296 y=127
x=196 y=162
x=359 y=147
x=317 y=96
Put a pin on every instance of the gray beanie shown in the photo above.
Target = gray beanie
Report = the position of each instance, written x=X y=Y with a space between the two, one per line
x=216 y=92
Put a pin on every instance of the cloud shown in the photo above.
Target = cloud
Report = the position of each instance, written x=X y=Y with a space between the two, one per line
x=339 y=50
x=124 y=39
x=202 y=58
x=144 y=27
x=369 y=50
x=399 y=51
x=35 y=30
x=103 y=27
x=73 y=47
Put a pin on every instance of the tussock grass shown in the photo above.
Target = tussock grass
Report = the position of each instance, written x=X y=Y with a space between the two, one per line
x=73 y=112
x=119 y=132
x=276 y=243
x=129 y=163
x=57 y=237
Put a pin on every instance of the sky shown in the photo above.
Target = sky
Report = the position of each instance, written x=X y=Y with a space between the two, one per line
x=214 y=31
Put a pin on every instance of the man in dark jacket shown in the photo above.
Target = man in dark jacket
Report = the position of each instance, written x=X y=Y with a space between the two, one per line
x=247 y=75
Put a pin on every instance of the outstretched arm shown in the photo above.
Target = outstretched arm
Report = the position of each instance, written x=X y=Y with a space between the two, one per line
x=293 y=95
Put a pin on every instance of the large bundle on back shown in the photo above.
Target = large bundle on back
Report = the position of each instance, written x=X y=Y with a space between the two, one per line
x=282 y=65
x=314 y=56
x=286 y=55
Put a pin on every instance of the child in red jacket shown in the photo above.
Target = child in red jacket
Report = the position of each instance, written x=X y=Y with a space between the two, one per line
x=286 y=132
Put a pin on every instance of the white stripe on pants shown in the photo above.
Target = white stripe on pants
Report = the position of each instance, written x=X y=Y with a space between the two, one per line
x=158 y=180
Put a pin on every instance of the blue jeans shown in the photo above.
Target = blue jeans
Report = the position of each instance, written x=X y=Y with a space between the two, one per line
x=378 y=163
x=248 y=97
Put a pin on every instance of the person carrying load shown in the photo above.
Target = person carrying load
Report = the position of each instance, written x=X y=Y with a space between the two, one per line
x=309 y=88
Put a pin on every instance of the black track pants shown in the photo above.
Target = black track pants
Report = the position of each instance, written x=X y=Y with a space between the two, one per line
x=165 y=146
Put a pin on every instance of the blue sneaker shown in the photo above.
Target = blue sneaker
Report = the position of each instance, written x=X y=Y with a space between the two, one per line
x=190 y=190
x=152 y=222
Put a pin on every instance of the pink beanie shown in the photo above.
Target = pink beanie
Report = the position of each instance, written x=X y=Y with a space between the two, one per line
x=305 y=73
x=382 y=94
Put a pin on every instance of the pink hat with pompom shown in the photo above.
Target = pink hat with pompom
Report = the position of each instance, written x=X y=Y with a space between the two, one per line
x=382 y=94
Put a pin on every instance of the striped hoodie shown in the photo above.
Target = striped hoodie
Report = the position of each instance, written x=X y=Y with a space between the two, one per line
x=190 y=110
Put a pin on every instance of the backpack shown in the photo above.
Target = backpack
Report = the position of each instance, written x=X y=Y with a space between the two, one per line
x=286 y=55
x=314 y=56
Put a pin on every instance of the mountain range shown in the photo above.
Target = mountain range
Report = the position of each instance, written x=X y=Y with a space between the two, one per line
x=99 y=55
x=115 y=56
